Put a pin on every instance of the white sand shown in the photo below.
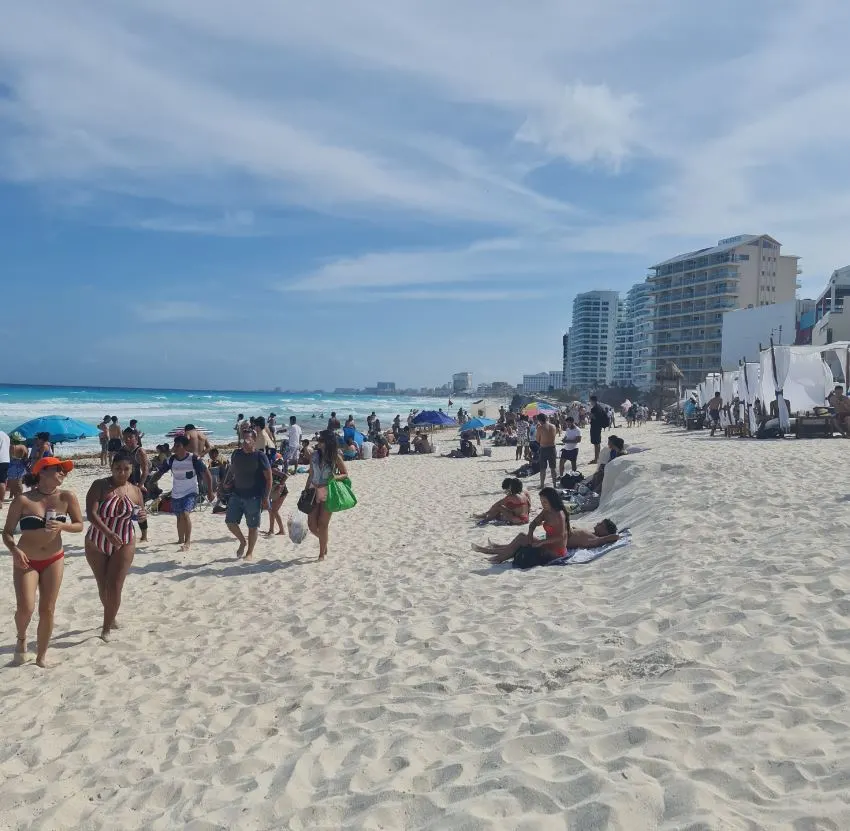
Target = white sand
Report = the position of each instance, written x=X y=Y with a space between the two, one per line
x=696 y=680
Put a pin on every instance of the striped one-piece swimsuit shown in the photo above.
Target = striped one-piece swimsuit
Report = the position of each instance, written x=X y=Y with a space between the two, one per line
x=116 y=513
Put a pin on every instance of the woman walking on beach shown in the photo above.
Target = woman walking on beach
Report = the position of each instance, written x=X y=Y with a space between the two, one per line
x=38 y=557
x=18 y=455
x=111 y=505
x=325 y=464
x=525 y=550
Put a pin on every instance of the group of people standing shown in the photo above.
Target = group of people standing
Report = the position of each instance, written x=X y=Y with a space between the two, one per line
x=41 y=511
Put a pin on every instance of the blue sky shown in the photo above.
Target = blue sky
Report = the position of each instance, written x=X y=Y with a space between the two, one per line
x=270 y=193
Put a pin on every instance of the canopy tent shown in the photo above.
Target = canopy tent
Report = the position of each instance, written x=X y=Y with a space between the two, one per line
x=60 y=428
x=477 y=424
x=802 y=375
x=433 y=418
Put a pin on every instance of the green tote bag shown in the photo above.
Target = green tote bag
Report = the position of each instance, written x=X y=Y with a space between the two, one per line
x=340 y=496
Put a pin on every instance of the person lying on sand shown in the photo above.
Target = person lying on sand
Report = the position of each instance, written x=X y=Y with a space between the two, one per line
x=514 y=507
x=603 y=532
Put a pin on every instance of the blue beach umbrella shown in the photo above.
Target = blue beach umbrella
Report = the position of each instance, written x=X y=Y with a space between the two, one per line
x=60 y=428
x=351 y=433
x=477 y=424
x=432 y=418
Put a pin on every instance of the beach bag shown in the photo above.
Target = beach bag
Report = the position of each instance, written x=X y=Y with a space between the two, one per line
x=297 y=529
x=340 y=496
x=307 y=500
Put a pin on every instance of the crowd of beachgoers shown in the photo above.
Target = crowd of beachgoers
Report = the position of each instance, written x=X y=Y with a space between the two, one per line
x=249 y=478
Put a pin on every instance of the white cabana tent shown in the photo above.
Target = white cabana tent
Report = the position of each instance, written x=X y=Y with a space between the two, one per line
x=802 y=374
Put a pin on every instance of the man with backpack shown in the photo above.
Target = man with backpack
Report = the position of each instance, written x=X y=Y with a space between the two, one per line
x=185 y=468
x=598 y=422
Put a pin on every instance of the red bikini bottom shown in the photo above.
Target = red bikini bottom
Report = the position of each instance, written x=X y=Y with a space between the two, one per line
x=41 y=565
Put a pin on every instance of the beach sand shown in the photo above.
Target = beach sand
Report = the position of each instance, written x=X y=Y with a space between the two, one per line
x=697 y=679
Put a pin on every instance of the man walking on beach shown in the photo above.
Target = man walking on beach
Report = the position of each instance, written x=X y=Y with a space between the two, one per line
x=113 y=431
x=185 y=469
x=333 y=423
x=293 y=437
x=546 y=435
x=598 y=420
x=103 y=435
x=251 y=476
x=714 y=407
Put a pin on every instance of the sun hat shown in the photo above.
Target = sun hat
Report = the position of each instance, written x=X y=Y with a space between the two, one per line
x=17 y=438
x=51 y=461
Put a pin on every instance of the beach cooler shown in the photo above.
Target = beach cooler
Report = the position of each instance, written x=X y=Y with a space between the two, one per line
x=488 y=451
x=366 y=449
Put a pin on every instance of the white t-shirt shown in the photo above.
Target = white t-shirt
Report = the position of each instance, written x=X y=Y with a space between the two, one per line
x=293 y=434
x=4 y=448
x=570 y=436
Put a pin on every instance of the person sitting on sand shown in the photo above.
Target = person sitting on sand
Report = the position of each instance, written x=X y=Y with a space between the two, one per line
x=841 y=404
x=404 y=442
x=514 y=507
x=616 y=448
x=524 y=549
x=351 y=451
x=421 y=444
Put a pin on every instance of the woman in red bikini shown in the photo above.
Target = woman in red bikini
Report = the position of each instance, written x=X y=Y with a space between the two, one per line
x=525 y=550
x=111 y=506
x=513 y=509
x=44 y=513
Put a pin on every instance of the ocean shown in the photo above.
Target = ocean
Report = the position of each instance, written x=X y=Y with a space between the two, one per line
x=160 y=411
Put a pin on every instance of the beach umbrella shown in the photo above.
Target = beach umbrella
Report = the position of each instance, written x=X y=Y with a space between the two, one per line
x=432 y=418
x=351 y=433
x=535 y=407
x=477 y=424
x=60 y=428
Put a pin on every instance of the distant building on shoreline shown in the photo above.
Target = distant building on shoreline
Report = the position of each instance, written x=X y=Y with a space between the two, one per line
x=462 y=382
x=633 y=365
x=692 y=291
x=591 y=340
x=832 y=318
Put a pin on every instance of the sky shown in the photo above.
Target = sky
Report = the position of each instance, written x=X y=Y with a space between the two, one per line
x=271 y=193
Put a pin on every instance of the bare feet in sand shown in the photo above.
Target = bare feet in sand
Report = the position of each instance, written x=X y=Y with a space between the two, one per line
x=21 y=654
x=240 y=553
x=41 y=661
x=185 y=546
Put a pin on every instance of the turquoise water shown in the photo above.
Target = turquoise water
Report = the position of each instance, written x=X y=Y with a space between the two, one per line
x=159 y=411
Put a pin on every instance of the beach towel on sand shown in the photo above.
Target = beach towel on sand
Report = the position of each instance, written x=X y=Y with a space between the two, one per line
x=579 y=556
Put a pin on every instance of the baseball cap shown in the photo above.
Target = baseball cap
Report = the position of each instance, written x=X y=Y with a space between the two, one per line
x=51 y=461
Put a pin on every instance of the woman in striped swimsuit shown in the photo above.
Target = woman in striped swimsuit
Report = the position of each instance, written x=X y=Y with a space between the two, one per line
x=112 y=504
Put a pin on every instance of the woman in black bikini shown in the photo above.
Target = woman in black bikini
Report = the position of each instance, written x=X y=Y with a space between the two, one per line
x=38 y=557
x=111 y=506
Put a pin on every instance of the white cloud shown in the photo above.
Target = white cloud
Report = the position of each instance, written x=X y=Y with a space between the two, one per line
x=721 y=119
x=590 y=124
